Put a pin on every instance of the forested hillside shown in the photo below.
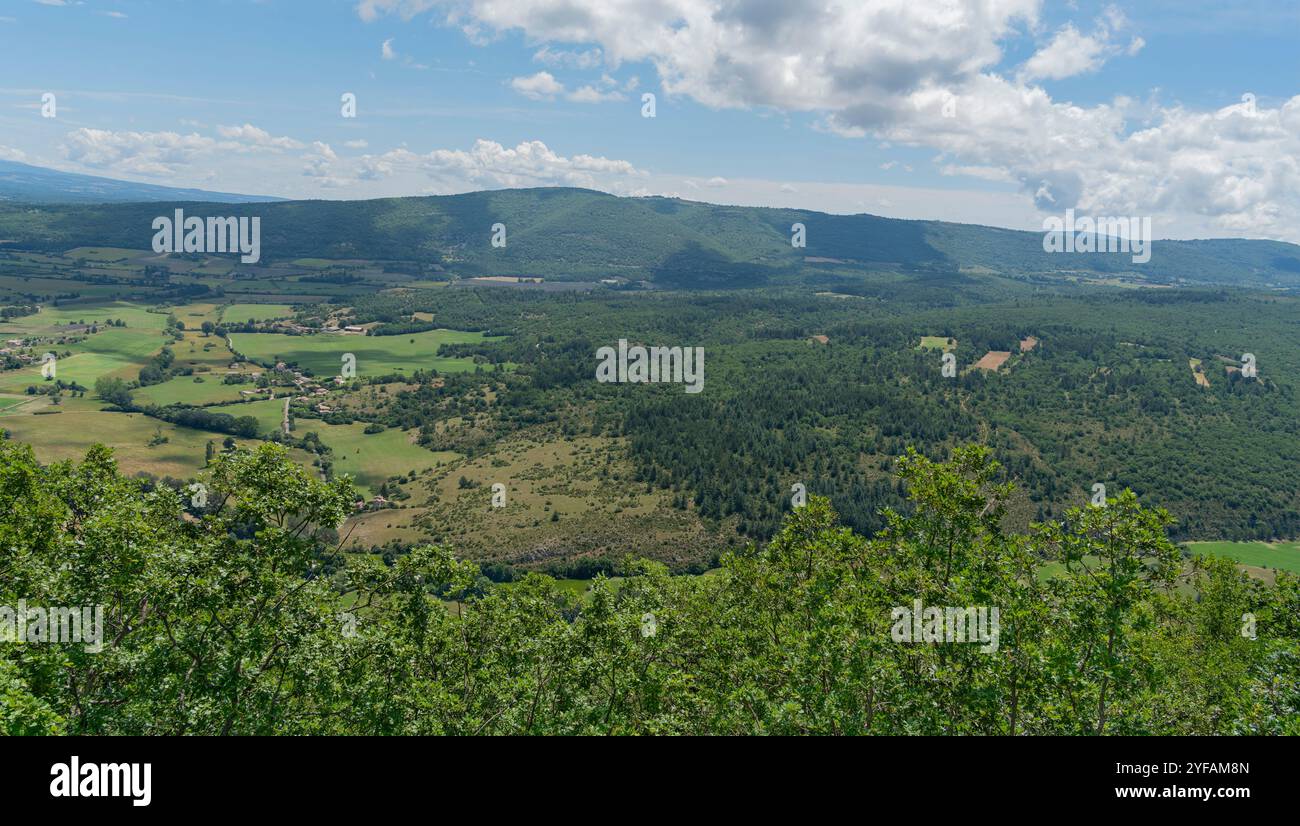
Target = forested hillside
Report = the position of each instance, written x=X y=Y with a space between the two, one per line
x=585 y=235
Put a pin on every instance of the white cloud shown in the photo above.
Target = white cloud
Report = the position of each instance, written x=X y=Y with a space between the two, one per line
x=386 y=50
x=166 y=154
x=320 y=164
x=1235 y=169
x=141 y=153
x=544 y=86
x=541 y=86
x=531 y=163
x=360 y=143
x=1070 y=53
x=251 y=160
x=248 y=133
x=759 y=52
x=485 y=165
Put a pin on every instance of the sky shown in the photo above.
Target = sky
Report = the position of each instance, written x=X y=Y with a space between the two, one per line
x=998 y=112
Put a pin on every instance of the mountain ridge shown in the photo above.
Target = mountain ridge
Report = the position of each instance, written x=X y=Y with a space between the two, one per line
x=579 y=234
x=25 y=183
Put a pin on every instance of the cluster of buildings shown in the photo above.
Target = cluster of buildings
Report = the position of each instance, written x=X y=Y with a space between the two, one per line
x=15 y=347
x=306 y=388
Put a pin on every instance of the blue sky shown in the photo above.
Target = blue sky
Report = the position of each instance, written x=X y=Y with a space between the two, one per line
x=237 y=95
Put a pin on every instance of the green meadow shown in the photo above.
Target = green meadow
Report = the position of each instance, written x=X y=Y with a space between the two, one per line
x=1284 y=555
x=244 y=313
x=268 y=412
x=79 y=424
x=185 y=390
x=937 y=343
x=376 y=355
x=372 y=458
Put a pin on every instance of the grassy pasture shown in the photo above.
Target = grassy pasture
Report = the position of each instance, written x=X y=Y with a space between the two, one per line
x=202 y=352
x=376 y=355
x=196 y=313
x=81 y=424
x=244 y=313
x=8 y=402
x=268 y=412
x=1284 y=555
x=371 y=458
x=938 y=343
x=184 y=390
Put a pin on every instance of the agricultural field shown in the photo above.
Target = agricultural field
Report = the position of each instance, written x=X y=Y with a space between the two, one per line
x=80 y=423
x=8 y=402
x=50 y=319
x=321 y=354
x=193 y=315
x=244 y=313
x=992 y=360
x=84 y=356
x=186 y=390
x=202 y=352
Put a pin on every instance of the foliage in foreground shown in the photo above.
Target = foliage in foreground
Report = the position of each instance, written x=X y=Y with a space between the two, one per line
x=223 y=625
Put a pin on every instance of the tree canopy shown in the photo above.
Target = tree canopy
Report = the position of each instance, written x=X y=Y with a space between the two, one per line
x=223 y=618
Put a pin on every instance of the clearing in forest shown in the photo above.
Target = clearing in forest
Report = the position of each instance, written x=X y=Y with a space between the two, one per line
x=992 y=360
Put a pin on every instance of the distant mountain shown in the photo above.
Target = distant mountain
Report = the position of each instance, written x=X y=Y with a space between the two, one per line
x=34 y=184
x=579 y=234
